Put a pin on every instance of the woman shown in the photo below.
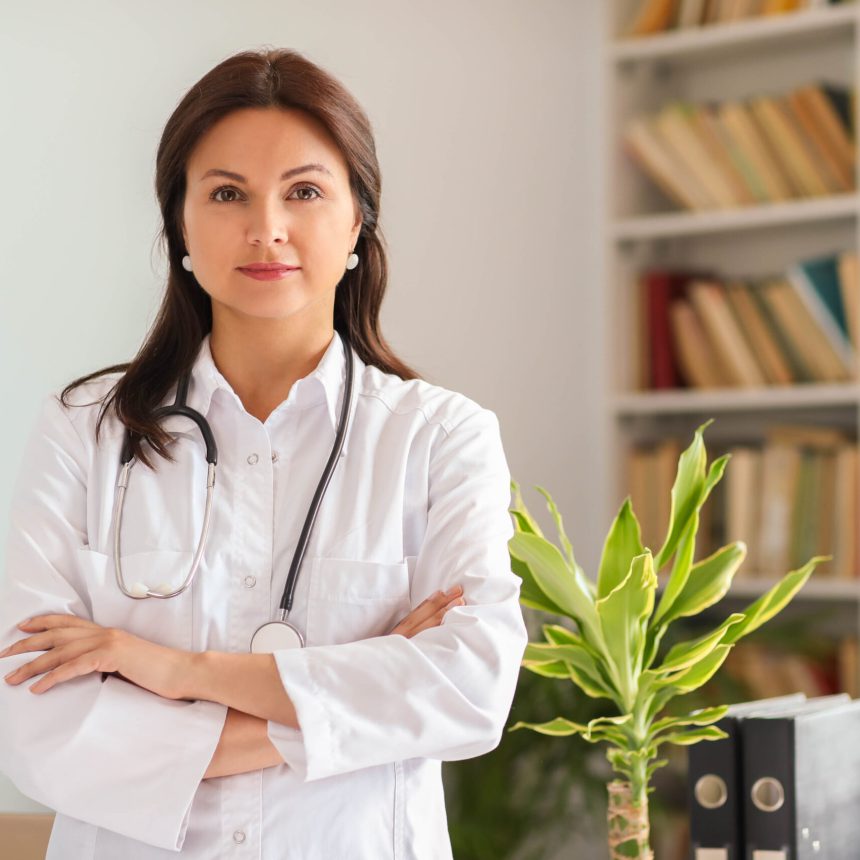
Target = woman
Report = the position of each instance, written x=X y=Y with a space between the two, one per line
x=153 y=726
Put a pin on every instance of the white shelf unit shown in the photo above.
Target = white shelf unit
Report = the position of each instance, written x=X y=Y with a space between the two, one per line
x=642 y=229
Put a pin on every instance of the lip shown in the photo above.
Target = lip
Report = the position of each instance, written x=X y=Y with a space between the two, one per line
x=267 y=267
x=267 y=271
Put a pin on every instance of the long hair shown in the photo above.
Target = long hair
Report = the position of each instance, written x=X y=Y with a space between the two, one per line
x=265 y=78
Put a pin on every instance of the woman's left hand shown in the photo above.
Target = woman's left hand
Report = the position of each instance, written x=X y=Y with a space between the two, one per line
x=76 y=646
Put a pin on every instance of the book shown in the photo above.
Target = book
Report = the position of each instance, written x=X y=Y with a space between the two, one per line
x=846 y=509
x=736 y=356
x=697 y=358
x=789 y=145
x=743 y=480
x=780 y=476
x=652 y=16
x=803 y=331
x=849 y=286
x=759 y=334
x=816 y=282
x=840 y=168
x=642 y=143
x=740 y=126
x=677 y=130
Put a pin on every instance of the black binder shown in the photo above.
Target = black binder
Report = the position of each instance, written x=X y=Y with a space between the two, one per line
x=801 y=774
x=714 y=784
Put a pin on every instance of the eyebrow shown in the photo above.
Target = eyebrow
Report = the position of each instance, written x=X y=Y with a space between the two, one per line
x=229 y=174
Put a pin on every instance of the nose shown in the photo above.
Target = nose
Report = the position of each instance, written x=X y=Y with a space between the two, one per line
x=268 y=223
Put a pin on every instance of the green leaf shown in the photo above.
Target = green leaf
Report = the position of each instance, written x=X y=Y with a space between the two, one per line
x=530 y=593
x=559 y=727
x=708 y=733
x=773 y=600
x=524 y=519
x=657 y=763
x=688 y=485
x=684 y=654
x=580 y=662
x=565 y=588
x=559 y=525
x=708 y=582
x=687 y=544
x=680 y=570
x=554 y=669
x=623 y=615
x=559 y=635
x=623 y=542
x=701 y=717
x=694 y=676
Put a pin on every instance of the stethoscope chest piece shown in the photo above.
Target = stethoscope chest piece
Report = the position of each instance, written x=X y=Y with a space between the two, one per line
x=275 y=636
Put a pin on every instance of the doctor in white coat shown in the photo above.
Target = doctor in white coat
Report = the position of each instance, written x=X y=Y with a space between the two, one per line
x=147 y=723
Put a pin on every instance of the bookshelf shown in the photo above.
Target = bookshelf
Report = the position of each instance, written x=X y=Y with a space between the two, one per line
x=644 y=228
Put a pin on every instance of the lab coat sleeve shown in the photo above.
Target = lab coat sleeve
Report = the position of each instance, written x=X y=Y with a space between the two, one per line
x=446 y=692
x=105 y=752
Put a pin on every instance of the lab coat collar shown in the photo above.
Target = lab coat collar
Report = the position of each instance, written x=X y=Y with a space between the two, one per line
x=325 y=383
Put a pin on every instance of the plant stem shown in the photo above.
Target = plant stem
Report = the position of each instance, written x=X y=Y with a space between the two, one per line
x=629 y=827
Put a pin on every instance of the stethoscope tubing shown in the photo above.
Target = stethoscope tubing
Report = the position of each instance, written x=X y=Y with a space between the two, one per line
x=180 y=407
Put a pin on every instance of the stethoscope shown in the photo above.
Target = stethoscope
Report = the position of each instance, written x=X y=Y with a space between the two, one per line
x=273 y=635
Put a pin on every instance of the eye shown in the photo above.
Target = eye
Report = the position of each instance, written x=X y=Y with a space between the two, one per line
x=217 y=191
x=231 y=190
x=309 y=188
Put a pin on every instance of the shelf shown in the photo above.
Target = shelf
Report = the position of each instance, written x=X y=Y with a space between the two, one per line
x=749 y=587
x=679 y=401
x=724 y=40
x=822 y=588
x=675 y=224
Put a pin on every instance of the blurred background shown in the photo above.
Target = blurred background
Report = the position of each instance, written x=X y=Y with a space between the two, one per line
x=609 y=221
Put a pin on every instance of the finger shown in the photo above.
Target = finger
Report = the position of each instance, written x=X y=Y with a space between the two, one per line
x=46 y=622
x=51 y=659
x=428 y=607
x=436 y=619
x=83 y=665
x=43 y=641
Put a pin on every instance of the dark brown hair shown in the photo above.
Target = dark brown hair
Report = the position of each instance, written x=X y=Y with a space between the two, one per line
x=265 y=78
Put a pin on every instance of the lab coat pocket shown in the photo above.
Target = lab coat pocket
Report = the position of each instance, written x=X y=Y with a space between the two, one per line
x=349 y=600
x=165 y=621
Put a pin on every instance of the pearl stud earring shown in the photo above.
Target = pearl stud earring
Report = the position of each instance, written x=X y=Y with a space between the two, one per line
x=352 y=260
x=186 y=263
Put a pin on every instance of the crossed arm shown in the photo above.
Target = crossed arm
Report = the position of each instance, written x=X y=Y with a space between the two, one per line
x=251 y=687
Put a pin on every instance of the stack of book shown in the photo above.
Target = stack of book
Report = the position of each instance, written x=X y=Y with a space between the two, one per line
x=730 y=154
x=655 y=16
x=697 y=331
x=789 y=497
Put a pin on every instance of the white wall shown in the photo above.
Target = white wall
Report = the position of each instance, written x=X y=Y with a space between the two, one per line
x=484 y=112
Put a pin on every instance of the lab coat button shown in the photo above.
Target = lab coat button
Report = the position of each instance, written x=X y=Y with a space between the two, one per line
x=250 y=581
x=252 y=458
x=238 y=836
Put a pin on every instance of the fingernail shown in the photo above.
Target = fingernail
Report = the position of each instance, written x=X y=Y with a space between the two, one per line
x=454 y=590
x=25 y=622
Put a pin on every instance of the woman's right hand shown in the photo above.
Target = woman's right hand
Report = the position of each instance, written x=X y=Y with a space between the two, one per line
x=429 y=612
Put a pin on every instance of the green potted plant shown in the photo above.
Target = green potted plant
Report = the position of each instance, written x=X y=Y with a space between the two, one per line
x=620 y=620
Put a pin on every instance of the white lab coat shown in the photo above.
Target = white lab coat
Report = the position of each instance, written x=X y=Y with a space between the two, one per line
x=418 y=502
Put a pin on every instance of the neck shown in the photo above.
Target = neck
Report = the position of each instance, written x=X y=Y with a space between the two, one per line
x=262 y=365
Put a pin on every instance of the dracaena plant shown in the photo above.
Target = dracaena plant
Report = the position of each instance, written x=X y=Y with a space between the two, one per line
x=613 y=651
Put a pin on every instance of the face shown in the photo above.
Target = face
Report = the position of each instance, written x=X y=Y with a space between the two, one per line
x=308 y=219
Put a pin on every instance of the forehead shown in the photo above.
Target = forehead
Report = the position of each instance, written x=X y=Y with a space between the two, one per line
x=260 y=143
